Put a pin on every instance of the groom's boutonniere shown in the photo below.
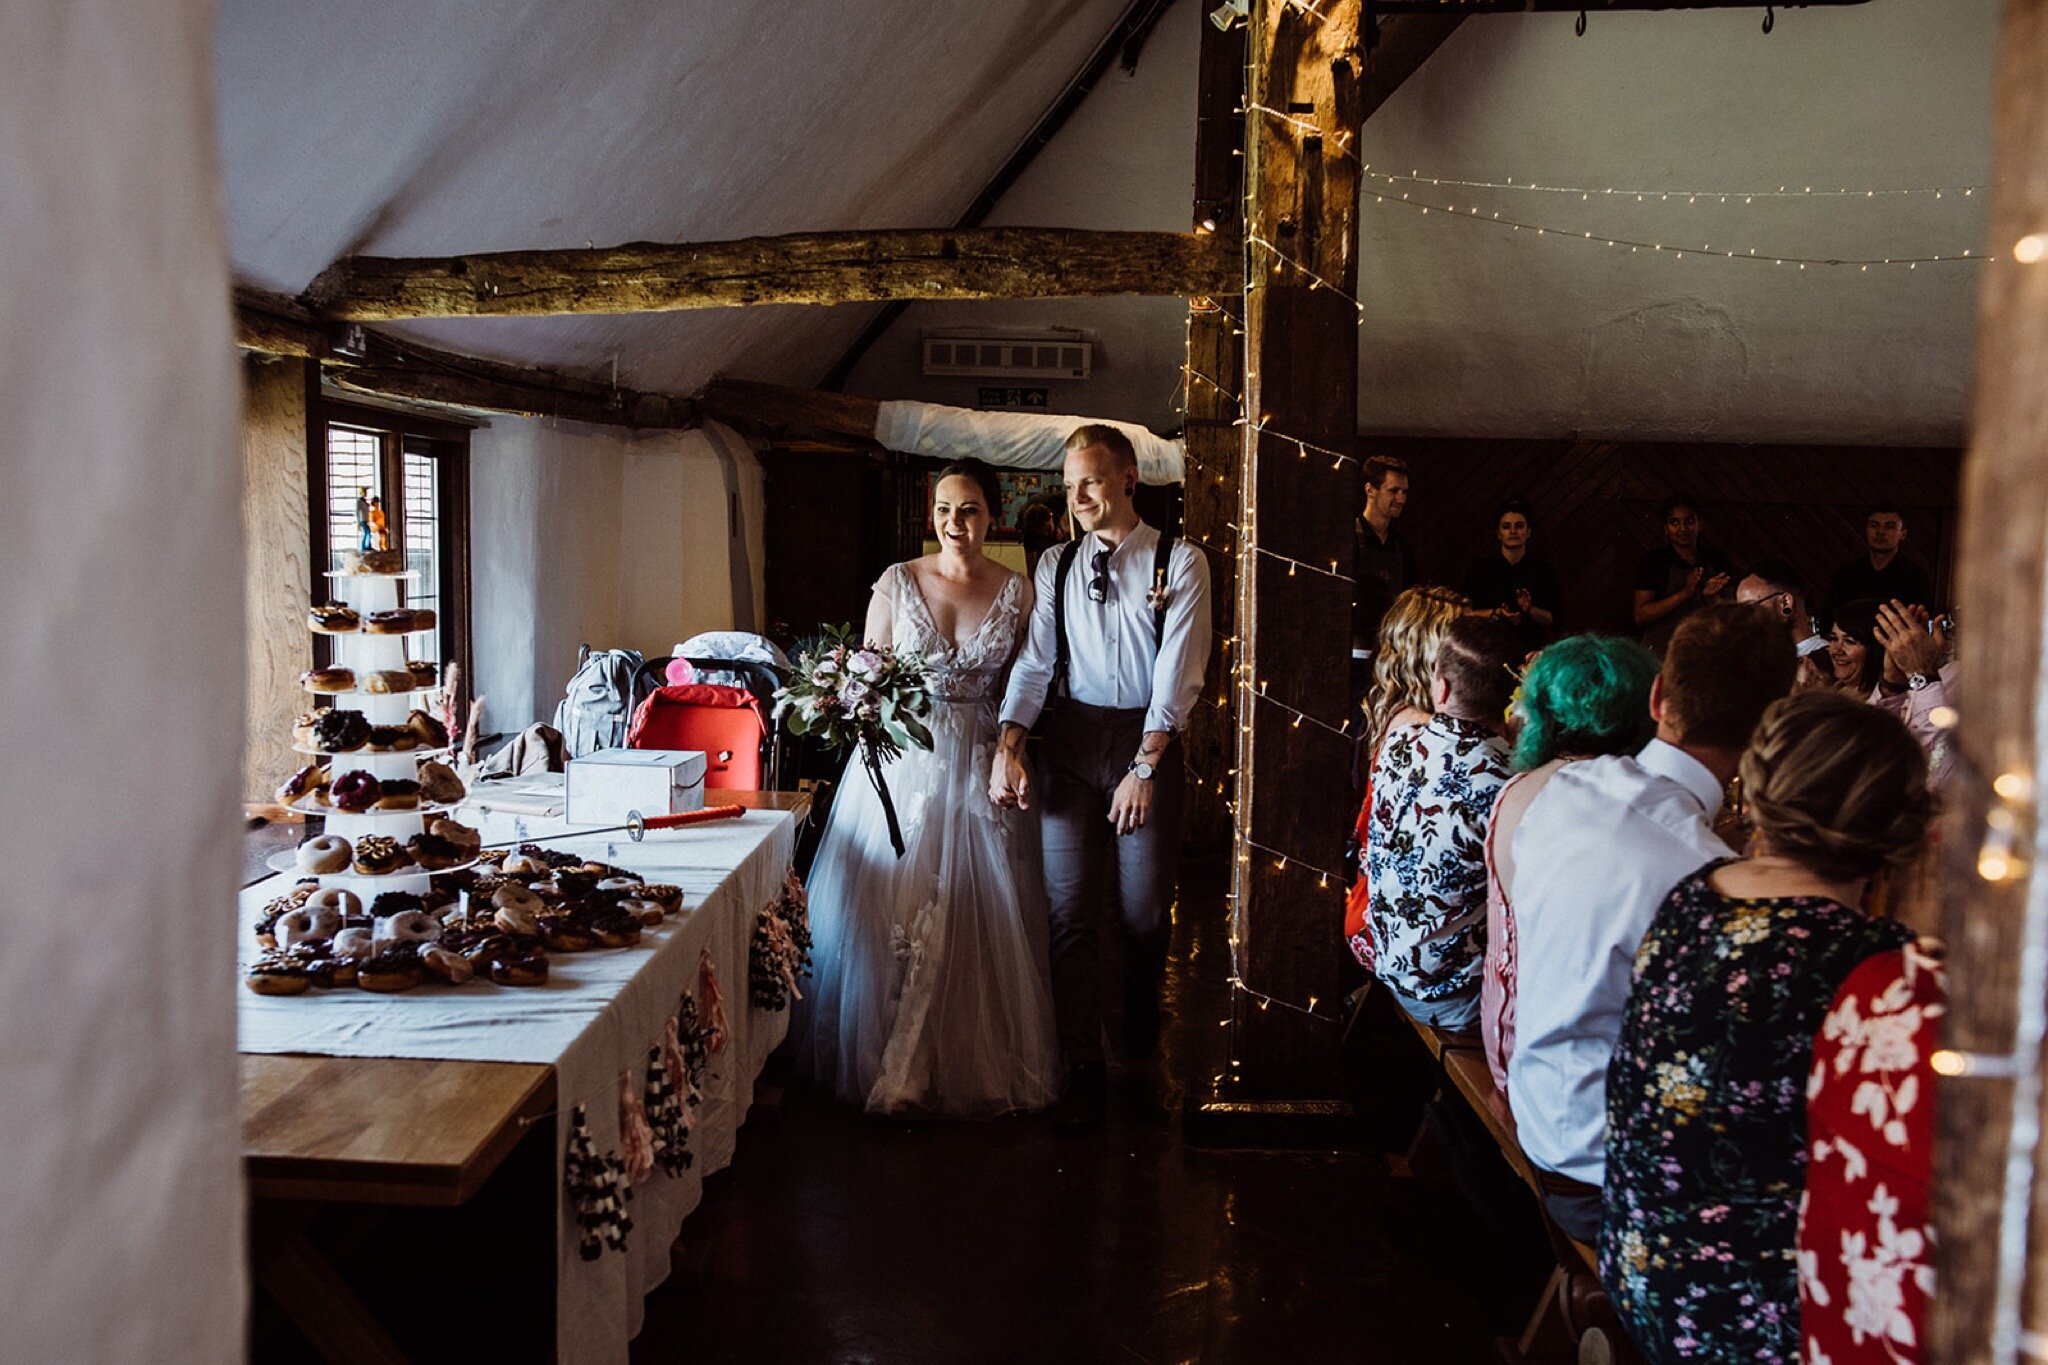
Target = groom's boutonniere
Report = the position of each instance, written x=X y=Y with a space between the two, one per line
x=1158 y=596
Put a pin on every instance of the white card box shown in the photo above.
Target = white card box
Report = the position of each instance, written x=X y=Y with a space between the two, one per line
x=605 y=787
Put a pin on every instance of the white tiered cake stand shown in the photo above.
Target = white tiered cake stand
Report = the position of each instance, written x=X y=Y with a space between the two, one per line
x=364 y=653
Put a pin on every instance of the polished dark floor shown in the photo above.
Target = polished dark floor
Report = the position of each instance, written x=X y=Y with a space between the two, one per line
x=836 y=1237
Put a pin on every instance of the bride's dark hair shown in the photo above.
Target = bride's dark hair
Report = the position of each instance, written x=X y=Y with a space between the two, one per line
x=983 y=474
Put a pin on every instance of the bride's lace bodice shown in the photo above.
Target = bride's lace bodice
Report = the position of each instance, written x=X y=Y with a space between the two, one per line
x=969 y=672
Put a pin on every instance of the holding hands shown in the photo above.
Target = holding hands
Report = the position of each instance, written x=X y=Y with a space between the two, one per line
x=1009 y=784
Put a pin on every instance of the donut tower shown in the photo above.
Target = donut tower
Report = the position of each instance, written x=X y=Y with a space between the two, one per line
x=379 y=659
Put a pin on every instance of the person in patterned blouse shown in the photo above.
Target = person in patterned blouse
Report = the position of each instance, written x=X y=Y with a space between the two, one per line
x=1706 y=1094
x=1433 y=787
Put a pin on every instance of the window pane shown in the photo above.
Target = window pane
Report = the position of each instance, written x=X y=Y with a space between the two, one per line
x=423 y=546
x=353 y=476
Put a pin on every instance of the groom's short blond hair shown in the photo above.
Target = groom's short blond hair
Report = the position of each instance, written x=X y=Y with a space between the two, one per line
x=1104 y=435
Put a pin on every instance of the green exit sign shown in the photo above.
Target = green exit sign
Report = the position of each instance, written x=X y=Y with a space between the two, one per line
x=996 y=396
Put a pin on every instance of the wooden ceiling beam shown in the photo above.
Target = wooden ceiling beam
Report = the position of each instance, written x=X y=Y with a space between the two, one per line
x=1447 y=7
x=372 y=362
x=803 y=268
x=778 y=407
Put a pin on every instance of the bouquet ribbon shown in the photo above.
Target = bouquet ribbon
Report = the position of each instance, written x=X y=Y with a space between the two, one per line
x=871 y=759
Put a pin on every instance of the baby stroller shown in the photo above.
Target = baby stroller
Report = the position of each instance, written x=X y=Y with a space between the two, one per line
x=716 y=694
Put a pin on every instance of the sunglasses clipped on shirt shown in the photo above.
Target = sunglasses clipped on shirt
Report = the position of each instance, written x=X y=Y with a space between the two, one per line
x=1098 y=585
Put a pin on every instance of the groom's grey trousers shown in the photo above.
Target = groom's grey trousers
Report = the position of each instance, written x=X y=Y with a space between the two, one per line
x=1084 y=752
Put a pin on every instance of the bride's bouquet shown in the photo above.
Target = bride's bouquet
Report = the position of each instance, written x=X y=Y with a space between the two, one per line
x=857 y=697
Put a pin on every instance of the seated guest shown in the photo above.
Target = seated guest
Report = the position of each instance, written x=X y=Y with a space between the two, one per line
x=1409 y=638
x=1866 y=1229
x=1706 y=1096
x=1512 y=583
x=1855 y=658
x=1881 y=573
x=1432 y=787
x=1596 y=853
x=1678 y=577
x=1777 y=585
x=1918 y=679
x=1584 y=696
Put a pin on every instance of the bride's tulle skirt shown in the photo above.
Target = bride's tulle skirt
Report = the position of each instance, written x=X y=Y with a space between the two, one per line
x=929 y=990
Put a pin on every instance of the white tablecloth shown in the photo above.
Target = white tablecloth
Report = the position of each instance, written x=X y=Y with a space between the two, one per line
x=593 y=1021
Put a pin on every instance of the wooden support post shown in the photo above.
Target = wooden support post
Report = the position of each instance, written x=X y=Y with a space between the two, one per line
x=2002 y=566
x=1294 y=554
x=1215 y=374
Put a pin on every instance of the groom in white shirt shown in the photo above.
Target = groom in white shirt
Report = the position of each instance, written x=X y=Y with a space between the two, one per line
x=1597 y=853
x=1114 y=658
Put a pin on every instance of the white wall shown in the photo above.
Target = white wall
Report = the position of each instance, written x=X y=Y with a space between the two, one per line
x=594 y=535
x=121 y=548
x=1476 y=330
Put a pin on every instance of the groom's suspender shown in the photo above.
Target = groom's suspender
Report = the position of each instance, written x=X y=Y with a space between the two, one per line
x=1162 y=564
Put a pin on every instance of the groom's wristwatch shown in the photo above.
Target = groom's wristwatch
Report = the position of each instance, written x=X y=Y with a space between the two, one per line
x=1143 y=769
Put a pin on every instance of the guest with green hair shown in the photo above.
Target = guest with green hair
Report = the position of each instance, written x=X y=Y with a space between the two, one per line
x=1584 y=696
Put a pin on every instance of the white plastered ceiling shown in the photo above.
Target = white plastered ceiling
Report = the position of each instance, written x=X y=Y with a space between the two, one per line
x=398 y=129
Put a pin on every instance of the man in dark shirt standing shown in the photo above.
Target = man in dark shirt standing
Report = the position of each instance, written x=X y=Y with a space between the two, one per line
x=1882 y=574
x=1385 y=564
x=1678 y=577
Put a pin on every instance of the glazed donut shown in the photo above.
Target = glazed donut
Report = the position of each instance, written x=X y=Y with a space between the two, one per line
x=384 y=739
x=353 y=791
x=343 y=903
x=398 y=622
x=276 y=974
x=648 y=912
x=431 y=733
x=354 y=943
x=424 y=673
x=327 y=679
x=451 y=967
x=670 y=898
x=397 y=793
x=333 y=619
x=335 y=971
x=395 y=969
x=378 y=854
x=306 y=925
x=573 y=883
x=433 y=852
x=615 y=929
x=303 y=728
x=306 y=781
x=338 y=731
x=519 y=865
x=516 y=897
x=562 y=934
x=408 y=926
x=619 y=884
x=266 y=923
x=388 y=680
x=519 y=967
x=455 y=832
x=325 y=853
x=516 y=919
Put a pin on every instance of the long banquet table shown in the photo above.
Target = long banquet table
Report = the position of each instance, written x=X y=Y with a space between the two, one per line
x=478 y=1065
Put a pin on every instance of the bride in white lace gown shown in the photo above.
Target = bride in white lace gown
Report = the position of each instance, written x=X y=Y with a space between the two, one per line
x=930 y=991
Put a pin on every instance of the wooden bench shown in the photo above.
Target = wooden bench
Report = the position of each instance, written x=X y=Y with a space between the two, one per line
x=1572 y=1296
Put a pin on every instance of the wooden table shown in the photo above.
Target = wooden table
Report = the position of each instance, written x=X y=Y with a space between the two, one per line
x=380 y=1131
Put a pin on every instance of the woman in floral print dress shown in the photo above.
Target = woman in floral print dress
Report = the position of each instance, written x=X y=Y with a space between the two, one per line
x=1706 y=1095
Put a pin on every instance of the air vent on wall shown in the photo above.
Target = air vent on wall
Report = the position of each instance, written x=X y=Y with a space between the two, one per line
x=1011 y=357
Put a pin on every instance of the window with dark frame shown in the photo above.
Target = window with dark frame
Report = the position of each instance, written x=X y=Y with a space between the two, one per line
x=417 y=471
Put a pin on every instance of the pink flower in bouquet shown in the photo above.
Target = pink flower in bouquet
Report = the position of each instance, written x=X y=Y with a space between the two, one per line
x=866 y=665
x=854 y=693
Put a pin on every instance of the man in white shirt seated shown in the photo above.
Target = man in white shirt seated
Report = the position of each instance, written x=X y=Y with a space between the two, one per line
x=1601 y=846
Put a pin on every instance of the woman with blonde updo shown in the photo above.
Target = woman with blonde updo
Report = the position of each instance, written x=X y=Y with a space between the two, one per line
x=1706 y=1095
x=1411 y=634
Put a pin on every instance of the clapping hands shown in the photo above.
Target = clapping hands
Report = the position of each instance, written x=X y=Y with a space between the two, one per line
x=1910 y=646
